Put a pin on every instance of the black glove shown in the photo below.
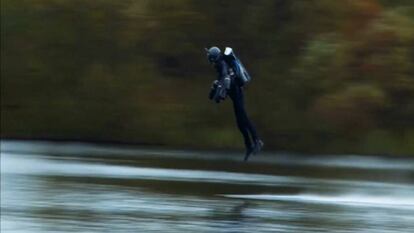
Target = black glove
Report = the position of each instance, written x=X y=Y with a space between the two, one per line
x=213 y=89
x=218 y=92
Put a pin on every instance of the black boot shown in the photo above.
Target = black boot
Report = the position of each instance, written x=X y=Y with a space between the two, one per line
x=258 y=145
x=249 y=151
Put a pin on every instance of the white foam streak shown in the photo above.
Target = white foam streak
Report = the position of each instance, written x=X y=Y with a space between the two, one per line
x=352 y=199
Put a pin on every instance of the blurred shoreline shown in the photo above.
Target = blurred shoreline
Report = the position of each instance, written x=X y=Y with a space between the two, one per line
x=158 y=146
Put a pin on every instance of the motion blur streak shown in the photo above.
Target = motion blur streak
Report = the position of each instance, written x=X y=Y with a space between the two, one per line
x=66 y=187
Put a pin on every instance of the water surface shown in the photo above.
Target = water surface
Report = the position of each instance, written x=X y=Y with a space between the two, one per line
x=77 y=187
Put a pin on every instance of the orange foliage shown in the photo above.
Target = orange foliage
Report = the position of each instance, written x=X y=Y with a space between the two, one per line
x=360 y=14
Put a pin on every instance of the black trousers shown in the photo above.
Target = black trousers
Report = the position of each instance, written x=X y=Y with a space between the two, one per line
x=243 y=123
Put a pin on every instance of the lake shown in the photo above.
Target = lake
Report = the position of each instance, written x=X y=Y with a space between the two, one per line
x=81 y=187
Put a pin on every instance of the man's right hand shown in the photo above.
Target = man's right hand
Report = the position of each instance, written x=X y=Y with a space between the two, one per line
x=213 y=89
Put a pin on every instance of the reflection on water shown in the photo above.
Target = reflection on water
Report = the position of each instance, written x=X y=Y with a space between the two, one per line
x=52 y=187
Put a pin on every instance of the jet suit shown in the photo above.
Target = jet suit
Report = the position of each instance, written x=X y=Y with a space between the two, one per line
x=230 y=84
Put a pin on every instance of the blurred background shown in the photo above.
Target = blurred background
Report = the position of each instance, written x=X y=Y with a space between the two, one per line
x=111 y=99
x=328 y=76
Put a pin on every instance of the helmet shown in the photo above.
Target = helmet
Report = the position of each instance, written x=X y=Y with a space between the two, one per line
x=213 y=54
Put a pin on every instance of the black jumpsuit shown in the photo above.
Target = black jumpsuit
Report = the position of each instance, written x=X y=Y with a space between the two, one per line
x=236 y=95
